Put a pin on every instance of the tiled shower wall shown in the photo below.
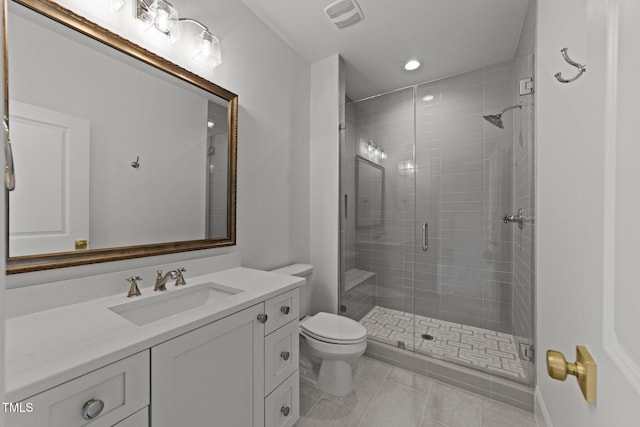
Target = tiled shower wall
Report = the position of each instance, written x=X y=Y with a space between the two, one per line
x=459 y=180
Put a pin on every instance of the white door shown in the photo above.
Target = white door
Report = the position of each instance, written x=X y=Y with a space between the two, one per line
x=49 y=209
x=588 y=189
x=212 y=376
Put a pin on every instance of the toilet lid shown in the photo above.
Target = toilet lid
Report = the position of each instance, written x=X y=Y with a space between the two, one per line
x=333 y=328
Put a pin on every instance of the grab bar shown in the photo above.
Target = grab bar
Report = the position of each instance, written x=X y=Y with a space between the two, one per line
x=425 y=236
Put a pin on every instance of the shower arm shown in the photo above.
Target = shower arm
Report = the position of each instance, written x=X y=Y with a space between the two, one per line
x=510 y=108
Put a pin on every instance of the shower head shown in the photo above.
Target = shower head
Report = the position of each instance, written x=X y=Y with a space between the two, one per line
x=496 y=119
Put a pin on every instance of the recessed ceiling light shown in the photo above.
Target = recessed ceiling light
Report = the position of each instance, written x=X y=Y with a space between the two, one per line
x=412 y=64
x=428 y=98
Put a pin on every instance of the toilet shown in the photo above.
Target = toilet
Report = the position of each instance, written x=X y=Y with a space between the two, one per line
x=330 y=345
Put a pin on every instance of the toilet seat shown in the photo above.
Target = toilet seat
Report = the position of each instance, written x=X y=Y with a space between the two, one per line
x=331 y=328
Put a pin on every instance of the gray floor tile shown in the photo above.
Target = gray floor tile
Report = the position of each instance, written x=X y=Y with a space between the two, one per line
x=453 y=407
x=332 y=413
x=431 y=423
x=409 y=379
x=495 y=414
x=309 y=396
x=390 y=396
x=395 y=406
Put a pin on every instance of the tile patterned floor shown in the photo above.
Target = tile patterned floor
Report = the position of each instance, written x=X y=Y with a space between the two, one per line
x=483 y=348
x=387 y=396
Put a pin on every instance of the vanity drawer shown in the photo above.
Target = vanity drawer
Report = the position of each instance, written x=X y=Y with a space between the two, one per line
x=123 y=387
x=281 y=310
x=282 y=406
x=280 y=355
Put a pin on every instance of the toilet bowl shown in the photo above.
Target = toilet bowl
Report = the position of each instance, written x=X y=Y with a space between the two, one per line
x=330 y=345
x=335 y=344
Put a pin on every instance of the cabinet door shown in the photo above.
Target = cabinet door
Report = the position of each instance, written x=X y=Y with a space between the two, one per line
x=139 y=419
x=212 y=376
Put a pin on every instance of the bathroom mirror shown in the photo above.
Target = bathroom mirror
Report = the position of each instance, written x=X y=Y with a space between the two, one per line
x=369 y=193
x=118 y=152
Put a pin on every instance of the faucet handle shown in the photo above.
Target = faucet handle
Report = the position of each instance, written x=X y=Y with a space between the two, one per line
x=133 y=289
x=179 y=277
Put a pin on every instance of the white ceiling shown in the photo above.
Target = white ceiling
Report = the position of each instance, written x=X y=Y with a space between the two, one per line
x=448 y=36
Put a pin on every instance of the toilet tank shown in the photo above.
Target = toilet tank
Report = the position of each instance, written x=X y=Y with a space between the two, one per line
x=300 y=270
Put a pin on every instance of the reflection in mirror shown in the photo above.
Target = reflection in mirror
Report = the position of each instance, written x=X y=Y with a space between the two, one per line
x=217 y=171
x=112 y=153
x=369 y=193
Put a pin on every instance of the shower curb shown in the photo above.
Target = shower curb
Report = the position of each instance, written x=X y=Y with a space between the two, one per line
x=487 y=385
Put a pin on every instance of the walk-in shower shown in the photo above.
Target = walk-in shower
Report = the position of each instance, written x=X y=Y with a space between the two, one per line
x=428 y=263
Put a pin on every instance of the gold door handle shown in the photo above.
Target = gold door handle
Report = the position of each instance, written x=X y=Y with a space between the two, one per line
x=584 y=370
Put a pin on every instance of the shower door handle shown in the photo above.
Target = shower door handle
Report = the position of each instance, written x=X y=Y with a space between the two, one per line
x=425 y=236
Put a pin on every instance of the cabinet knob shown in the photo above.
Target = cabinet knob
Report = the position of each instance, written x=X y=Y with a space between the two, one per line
x=262 y=318
x=285 y=411
x=285 y=355
x=92 y=409
x=285 y=309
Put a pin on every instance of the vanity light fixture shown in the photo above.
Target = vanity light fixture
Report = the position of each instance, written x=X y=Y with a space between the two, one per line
x=375 y=152
x=164 y=17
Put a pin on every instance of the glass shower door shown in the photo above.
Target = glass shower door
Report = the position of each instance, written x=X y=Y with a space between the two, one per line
x=464 y=280
x=377 y=216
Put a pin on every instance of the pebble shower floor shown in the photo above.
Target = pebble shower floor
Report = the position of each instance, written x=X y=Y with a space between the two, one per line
x=489 y=350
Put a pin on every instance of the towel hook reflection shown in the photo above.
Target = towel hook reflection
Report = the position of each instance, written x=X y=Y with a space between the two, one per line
x=581 y=68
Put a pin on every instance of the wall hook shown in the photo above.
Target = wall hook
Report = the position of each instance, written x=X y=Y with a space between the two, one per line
x=136 y=164
x=581 y=68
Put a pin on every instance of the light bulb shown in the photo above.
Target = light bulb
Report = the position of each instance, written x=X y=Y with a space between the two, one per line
x=209 y=50
x=162 y=21
x=164 y=16
x=206 y=47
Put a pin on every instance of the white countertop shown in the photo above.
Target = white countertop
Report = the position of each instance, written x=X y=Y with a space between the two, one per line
x=50 y=347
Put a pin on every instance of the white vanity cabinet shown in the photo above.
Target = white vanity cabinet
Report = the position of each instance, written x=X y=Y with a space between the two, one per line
x=282 y=383
x=212 y=376
x=238 y=371
x=224 y=373
x=101 y=398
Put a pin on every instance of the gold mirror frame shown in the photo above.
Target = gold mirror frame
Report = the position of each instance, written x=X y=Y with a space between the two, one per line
x=68 y=18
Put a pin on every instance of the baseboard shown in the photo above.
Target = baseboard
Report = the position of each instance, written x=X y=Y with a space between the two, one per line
x=540 y=410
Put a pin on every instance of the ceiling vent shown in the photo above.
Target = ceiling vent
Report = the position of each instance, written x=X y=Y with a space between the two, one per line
x=344 y=13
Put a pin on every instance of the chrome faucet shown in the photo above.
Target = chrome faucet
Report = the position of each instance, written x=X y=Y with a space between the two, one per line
x=179 y=277
x=162 y=280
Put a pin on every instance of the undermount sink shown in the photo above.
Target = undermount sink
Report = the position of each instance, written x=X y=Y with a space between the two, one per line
x=173 y=302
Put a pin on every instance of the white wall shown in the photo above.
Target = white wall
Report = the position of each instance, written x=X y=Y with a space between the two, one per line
x=324 y=188
x=272 y=83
